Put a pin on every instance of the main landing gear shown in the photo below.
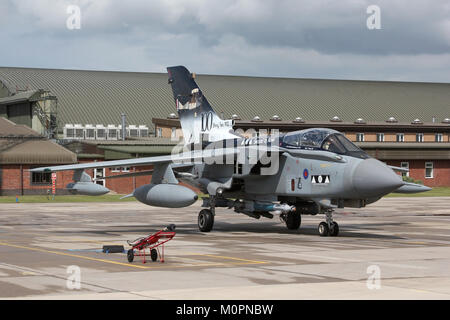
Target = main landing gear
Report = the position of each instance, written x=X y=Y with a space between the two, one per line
x=330 y=227
x=292 y=219
x=206 y=220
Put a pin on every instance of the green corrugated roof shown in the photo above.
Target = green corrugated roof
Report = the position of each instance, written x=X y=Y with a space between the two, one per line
x=98 y=97
x=9 y=129
x=19 y=97
x=36 y=152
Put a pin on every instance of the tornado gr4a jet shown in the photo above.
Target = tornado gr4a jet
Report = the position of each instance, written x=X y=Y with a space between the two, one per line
x=312 y=171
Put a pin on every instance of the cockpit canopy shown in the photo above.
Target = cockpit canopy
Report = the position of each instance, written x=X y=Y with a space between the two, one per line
x=322 y=139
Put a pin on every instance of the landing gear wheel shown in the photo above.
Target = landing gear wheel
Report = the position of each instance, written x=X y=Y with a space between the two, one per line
x=334 y=230
x=293 y=220
x=154 y=255
x=130 y=255
x=205 y=220
x=324 y=231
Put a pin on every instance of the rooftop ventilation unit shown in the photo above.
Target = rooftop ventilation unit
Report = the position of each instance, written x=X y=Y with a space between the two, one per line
x=89 y=132
x=143 y=131
x=446 y=120
x=417 y=121
x=79 y=131
x=133 y=131
x=69 y=131
x=172 y=116
x=360 y=121
x=392 y=120
x=299 y=120
x=235 y=117
x=100 y=131
x=112 y=132
x=256 y=119
x=335 y=119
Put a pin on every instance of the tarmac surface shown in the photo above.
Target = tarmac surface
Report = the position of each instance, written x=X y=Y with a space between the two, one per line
x=402 y=242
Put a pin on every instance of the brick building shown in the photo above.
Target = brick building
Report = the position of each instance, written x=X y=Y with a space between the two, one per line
x=21 y=149
x=103 y=150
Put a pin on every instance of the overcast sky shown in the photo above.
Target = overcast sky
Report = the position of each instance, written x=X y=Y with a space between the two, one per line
x=302 y=39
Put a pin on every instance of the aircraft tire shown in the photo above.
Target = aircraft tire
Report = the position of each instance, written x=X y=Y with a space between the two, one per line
x=205 y=220
x=334 y=231
x=293 y=220
x=154 y=255
x=323 y=229
x=130 y=255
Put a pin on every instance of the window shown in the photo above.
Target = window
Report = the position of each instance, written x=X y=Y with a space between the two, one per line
x=380 y=137
x=159 y=132
x=115 y=169
x=428 y=170
x=400 y=137
x=360 y=137
x=99 y=175
x=174 y=133
x=125 y=169
x=419 y=137
x=273 y=132
x=406 y=166
x=41 y=177
x=439 y=137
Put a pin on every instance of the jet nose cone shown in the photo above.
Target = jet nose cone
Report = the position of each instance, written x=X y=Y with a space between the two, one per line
x=373 y=178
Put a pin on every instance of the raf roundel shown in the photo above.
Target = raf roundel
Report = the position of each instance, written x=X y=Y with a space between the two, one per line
x=305 y=174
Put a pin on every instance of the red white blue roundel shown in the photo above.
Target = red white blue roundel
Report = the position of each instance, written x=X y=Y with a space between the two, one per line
x=305 y=174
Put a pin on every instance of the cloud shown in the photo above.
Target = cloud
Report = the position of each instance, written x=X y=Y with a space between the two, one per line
x=321 y=39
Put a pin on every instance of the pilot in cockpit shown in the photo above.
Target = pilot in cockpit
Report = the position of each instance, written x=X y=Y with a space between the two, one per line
x=326 y=145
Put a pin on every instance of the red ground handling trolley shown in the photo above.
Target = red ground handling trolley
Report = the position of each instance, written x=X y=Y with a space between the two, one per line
x=148 y=246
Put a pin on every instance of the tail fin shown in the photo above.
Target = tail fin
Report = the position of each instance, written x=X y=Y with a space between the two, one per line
x=198 y=120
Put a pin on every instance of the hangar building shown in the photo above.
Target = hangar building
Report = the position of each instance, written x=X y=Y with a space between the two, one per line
x=401 y=123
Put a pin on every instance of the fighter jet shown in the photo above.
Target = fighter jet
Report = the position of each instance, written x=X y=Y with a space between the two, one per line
x=306 y=172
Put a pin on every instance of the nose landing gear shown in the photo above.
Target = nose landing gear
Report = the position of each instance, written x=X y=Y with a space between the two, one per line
x=330 y=227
